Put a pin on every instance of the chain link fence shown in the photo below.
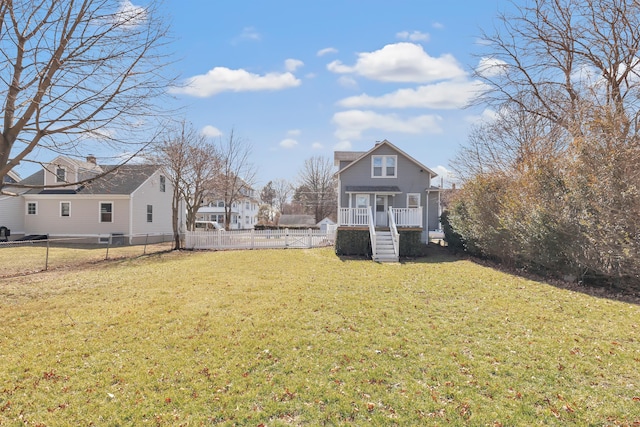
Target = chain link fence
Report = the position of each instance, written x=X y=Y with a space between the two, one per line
x=21 y=257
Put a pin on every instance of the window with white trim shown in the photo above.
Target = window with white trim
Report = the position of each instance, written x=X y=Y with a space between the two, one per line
x=106 y=211
x=32 y=208
x=149 y=213
x=163 y=184
x=413 y=200
x=61 y=174
x=362 y=200
x=383 y=166
x=65 y=208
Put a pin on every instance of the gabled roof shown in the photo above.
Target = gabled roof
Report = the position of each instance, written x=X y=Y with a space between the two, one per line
x=297 y=221
x=124 y=179
x=361 y=155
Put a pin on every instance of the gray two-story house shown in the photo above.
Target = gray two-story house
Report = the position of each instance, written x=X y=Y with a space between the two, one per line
x=386 y=191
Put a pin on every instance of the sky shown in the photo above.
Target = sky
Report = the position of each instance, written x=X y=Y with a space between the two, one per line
x=296 y=79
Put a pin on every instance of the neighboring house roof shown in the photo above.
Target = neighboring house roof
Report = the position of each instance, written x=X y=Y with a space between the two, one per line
x=348 y=156
x=372 y=188
x=11 y=177
x=124 y=179
x=326 y=220
x=378 y=145
x=297 y=221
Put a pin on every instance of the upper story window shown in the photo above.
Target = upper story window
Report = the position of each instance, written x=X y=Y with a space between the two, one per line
x=220 y=204
x=61 y=174
x=32 y=208
x=149 y=213
x=383 y=166
x=163 y=184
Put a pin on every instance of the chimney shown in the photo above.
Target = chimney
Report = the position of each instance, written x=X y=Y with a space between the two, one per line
x=91 y=159
x=453 y=186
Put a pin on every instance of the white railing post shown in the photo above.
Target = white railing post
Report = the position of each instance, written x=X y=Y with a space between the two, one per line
x=395 y=236
x=372 y=233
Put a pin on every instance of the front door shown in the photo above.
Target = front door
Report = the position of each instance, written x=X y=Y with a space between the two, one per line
x=382 y=203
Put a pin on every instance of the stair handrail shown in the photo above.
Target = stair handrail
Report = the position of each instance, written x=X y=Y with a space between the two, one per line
x=372 y=233
x=395 y=236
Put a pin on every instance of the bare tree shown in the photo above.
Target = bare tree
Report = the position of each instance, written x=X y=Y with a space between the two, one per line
x=318 y=188
x=554 y=181
x=283 y=191
x=76 y=71
x=236 y=174
x=191 y=163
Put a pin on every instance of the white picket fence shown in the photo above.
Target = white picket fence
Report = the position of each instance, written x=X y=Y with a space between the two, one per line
x=259 y=239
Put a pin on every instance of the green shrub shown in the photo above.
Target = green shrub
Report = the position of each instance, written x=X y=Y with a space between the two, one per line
x=353 y=242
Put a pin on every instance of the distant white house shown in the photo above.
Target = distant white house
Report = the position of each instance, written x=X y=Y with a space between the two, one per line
x=130 y=202
x=244 y=211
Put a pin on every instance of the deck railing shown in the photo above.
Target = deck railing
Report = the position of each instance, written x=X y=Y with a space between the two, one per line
x=354 y=217
x=359 y=217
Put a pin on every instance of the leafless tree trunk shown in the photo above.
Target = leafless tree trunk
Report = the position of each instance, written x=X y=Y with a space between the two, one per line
x=283 y=190
x=236 y=175
x=191 y=163
x=318 y=187
x=74 y=72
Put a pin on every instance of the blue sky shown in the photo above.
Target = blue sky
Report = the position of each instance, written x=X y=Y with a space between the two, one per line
x=303 y=78
x=297 y=79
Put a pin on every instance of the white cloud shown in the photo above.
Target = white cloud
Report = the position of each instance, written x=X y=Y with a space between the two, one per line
x=222 y=79
x=326 y=51
x=443 y=95
x=211 y=131
x=348 y=82
x=351 y=124
x=294 y=132
x=248 y=33
x=288 y=143
x=401 y=62
x=343 y=146
x=317 y=146
x=445 y=177
x=487 y=115
x=491 y=67
x=129 y=15
x=414 y=36
x=438 y=25
x=293 y=64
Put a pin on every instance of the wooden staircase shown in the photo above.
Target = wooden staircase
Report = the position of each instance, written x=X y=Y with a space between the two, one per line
x=384 y=251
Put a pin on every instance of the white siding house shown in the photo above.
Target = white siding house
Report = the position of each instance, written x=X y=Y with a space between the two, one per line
x=131 y=201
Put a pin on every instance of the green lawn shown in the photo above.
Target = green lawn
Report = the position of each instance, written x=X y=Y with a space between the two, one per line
x=302 y=337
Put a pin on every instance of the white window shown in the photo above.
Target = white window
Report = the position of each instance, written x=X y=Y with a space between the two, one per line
x=149 y=213
x=362 y=200
x=106 y=211
x=383 y=166
x=413 y=200
x=163 y=184
x=65 y=208
x=32 y=208
x=61 y=174
x=220 y=203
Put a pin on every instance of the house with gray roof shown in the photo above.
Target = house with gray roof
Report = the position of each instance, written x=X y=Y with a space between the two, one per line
x=131 y=202
x=386 y=193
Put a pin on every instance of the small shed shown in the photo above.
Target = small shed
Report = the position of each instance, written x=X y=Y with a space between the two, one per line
x=297 y=221
x=322 y=225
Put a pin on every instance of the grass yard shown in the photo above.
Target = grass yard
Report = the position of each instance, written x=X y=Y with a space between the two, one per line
x=304 y=338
